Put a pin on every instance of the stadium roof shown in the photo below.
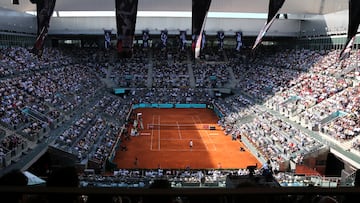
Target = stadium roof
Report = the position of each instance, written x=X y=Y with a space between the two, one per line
x=243 y=6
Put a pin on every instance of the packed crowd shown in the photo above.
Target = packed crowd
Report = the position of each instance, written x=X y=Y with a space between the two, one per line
x=211 y=75
x=273 y=138
x=171 y=55
x=177 y=178
x=85 y=144
x=173 y=75
x=104 y=147
x=131 y=74
x=174 y=95
x=312 y=89
x=212 y=54
x=18 y=60
x=330 y=101
x=262 y=81
x=316 y=83
x=329 y=64
x=73 y=133
x=342 y=108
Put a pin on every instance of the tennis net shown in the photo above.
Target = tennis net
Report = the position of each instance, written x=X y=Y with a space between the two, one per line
x=177 y=126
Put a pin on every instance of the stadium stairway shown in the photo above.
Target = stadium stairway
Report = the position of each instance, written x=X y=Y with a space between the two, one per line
x=7 y=132
x=191 y=75
x=149 y=81
x=233 y=81
x=246 y=119
x=346 y=71
x=150 y=66
x=226 y=59
x=109 y=83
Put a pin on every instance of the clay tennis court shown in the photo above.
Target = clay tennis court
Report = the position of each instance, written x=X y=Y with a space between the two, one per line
x=165 y=141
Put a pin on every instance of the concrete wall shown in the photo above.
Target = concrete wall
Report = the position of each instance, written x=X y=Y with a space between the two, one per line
x=17 y=21
x=337 y=22
x=333 y=23
x=249 y=27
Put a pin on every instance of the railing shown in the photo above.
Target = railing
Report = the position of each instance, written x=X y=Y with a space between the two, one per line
x=214 y=195
x=348 y=178
x=36 y=115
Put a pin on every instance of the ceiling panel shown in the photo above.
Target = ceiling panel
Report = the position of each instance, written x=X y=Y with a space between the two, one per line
x=252 y=6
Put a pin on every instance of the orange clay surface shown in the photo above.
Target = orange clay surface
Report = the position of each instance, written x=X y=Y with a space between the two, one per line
x=168 y=147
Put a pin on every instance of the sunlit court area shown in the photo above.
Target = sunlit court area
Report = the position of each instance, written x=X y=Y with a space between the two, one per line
x=165 y=142
x=179 y=101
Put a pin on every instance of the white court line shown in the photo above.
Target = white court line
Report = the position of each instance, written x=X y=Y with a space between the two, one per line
x=185 y=150
x=206 y=145
x=213 y=134
x=212 y=141
x=179 y=131
x=169 y=139
x=159 y=132
x=152 y=133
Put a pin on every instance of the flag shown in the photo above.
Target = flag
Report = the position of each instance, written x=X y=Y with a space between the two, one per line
x=200 y=9
x=145 y=36
x=198 y=41
x=274 y=7
x=163 y=38
x=220 y=37
x=182 y=39
x=107 y=39
x=238 y=41
x=354 y=20
x=203 y=39
x=126 y=11
x=44 y=9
